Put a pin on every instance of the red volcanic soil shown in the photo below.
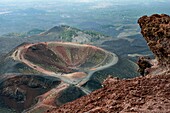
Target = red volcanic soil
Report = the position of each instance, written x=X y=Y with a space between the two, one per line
x=140 y=95
x=40 y=54
x=58 y=57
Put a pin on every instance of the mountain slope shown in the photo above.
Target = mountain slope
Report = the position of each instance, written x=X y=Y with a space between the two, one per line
x=148 y=94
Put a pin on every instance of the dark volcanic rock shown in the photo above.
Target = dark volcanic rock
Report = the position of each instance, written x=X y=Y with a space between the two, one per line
x=156 y=31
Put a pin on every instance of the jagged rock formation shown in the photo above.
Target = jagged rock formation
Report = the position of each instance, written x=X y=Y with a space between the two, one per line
x=156 y=31
x=143 y=63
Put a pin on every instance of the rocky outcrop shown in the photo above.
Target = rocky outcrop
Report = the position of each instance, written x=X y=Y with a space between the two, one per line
x=156 y=31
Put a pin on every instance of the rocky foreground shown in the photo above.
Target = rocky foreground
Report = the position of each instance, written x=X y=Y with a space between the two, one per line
x=148 y=94
x=143 y=94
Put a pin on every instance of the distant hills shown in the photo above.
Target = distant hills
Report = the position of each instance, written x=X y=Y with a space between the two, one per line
x=30 y=11
x=62 y=33
x=127 y=46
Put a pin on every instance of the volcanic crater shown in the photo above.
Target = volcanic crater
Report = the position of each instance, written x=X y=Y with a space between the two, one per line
x=59 y=72
x=67 y=57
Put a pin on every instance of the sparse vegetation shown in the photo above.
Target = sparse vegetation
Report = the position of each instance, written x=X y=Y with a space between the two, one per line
x=34 y=32
x=28 y=71
x=13 y=35
x=68 y=34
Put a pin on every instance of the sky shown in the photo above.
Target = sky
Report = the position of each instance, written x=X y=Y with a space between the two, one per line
x=106 y=3
x=84 y=1
x=93 y=4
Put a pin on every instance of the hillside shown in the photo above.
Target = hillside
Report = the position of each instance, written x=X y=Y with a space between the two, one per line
x=133 y=45
x=58 y=33
x=148 y=94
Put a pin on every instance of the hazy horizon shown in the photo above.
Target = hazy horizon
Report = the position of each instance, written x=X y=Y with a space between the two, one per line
x=25 y=15
x=86 y=1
